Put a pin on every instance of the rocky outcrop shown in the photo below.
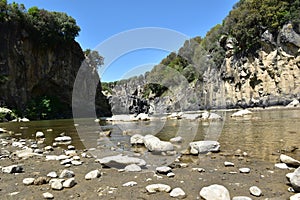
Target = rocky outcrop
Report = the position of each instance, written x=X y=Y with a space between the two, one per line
x=29 y=69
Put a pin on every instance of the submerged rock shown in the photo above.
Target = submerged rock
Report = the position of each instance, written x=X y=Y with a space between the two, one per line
x=204 y=147
x=153 y=143
x=241 y=113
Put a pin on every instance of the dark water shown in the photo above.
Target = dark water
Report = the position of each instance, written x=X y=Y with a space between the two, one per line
x=262 y=136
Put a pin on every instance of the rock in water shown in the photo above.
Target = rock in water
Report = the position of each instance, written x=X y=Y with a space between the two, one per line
x=241 y=113
x=289 y=160
x=39 y=134
x=153 y=143
x=204 y=147
x=215 y=192
x=158 y=188
x=137 y=139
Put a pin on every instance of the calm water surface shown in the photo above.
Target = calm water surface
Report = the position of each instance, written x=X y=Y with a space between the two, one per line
x=262 y=136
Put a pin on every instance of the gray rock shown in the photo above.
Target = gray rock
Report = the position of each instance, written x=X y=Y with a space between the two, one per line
x=241 y=113
x=228 y=164
x=199 y=147
x=52 y=174
x=164 y=169
x=215 y=192
x=255 y=191
x=63 y=139
x=12 y=169
x=281 y=166
x=66 y=174
x=153 y=143
x=245 y=170
x=137 y=139
x=48 y=195
x=289 y=176
x=133 y=168
x=66 y=161
x=170 y=175
x=153 y=188
x=295 y=197
x=26 y=153
x=177 y=139
x=69 y=183
x=28 y=181
x=93 y=174
x=129 y=184
x=76 y=162
x=177 y=193
x=289 y=160
x=56 y=185
x=295 y=180
x=241 y=198
x=120 y=161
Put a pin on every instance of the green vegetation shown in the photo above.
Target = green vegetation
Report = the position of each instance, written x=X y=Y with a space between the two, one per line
x=45 y=26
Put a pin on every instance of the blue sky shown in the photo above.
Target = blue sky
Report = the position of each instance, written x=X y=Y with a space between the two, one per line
x=101 y=20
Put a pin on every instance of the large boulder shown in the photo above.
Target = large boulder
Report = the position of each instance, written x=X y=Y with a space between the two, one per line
x=199 y=147
x=153 y=143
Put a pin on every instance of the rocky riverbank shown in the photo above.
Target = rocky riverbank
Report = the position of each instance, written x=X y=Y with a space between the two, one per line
x=30 y=169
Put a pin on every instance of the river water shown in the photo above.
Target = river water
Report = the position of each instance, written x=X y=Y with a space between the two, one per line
x=263 y=135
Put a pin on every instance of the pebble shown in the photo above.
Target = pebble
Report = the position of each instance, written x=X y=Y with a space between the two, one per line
x=56 y=185
x=228 y=164
x=200 y=170
x=63 y=139
x=244 y=170
x=215 y=192
x=129 y=184
x=76 y=158
x=255 y=191
x=177 y=139
x=177 y=193
x=76 y=162
x=69 y=183
x=48 y=195
x=52 y=174
x=163 y=170
x=93 y=174
x=39 y=134
x=281 y=166
x=133 y=168
x=71 y=147
x=170 y=175
x=12 y=169
x=66 y=174
x=71 y=152
x=48 y=148
x=28 y=181
x=153 y=188
x=66 y=161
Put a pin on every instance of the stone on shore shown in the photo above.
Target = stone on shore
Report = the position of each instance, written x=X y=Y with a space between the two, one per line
x=241 y=113
x=39 y=134
x=295 y=197
x=129 y=184
x=63 y=139
x=137 y=139
x=164 y=169
x=244 y=170
x=153 y=188
x=28 y=181
x=132 y=168
x=255 y=191
x=69 y=183
x=48 y=195
x=93 y=174
x=177 y=193
x=56 y=185
x=12 y=169
x=199 y=147
x=215 y=192
x=241 y=198
x=153 y=143
x=295 y=180
x=119 y=161
x=52 y=174
x=66 y=174
x=289 y=160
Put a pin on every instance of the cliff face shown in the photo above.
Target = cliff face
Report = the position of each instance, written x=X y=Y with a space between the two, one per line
x=29 y=70
x=269 y=77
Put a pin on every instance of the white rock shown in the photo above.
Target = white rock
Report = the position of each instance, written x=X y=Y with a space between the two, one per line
x=63 y=139
x=241 y=113
x=48 y=195
x=129 y=184
x=241 y=198
x=121 y=160
x=153 y=188
x=28 y=181
x=17 y=144
x=66 y=174
x=12 y=169
x=56 y=185
x=93 y=174
x=177 y=139
x=163 y=169
x=295 y=180
x=191 y=116
x=215 y=192
x=76 y=162
x=62 y=157
x=137 y=139
x=52 y=174
x=289 y=160
x=199 y=147
x=39 y=134
x=228 y=164
x=170 y=174
x=289 y=176
x=48 y=148
x=214 y=116
x=66 y=161
x=294 y=103
x=295 y=197
x=71 y=147
x=71 y=152
x=26 y=153
x=255 y=191
x=2 y=130
x=244 y=170
x=76 y=158
x=69 y=183
x=281 y=166
x=133 y=168
x=153 y=143
x=177 y=193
